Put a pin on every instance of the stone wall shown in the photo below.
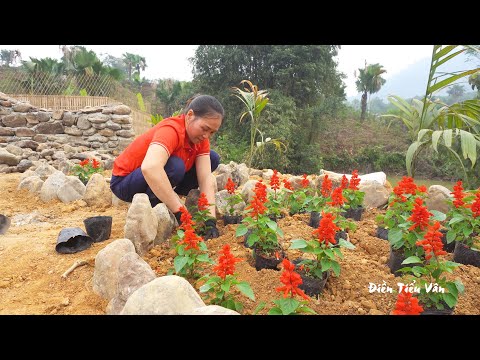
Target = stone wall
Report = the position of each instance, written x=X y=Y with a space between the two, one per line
x=61 y=138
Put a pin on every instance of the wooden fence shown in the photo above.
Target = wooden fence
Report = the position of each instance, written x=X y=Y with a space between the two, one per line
x=63 y=102
x=75 y=103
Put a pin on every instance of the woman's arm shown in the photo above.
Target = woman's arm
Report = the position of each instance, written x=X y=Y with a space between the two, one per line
x=205 y=180
x=153 y=169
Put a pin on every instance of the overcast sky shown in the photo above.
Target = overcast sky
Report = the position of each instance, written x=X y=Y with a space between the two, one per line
x=171 y=61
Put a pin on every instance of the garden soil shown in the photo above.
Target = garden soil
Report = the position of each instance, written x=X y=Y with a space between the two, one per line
x=31 y=270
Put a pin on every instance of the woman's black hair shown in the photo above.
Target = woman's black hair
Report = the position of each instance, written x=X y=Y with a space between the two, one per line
x=204 y=106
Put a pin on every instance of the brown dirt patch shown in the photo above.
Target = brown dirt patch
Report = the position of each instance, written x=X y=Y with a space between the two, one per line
x=31 y=269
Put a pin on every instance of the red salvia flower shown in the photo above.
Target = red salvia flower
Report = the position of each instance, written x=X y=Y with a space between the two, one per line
x=345 y=182
x=420 y=215
x=458 y=194
x=291 y=280
x=422 y=189
x=191 y=239
x=230 y=186
x=275 y=181
x=259 y=199
x=476 y=205
x=337 y=197
x=287 y=185
x=226 y=262
x=326 y=229
x=84 y=162
x=326 y=186
x=354 y=181
x=185 y=218
x=203 y=203
x=432 y=243
x=408 y=185
x=95 y=164
x=305 y=181
x=407 y=305
x=261 y=191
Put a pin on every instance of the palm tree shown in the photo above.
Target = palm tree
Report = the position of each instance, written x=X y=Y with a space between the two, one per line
x=133 y=61
x=434 y=123
x=369 y=81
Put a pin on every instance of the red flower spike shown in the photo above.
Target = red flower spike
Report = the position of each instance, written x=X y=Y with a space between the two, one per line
x=326 y=229
x=354 y=181
x=291 y=280
x=458 y=194
x=345 y=183
x=226 y=262
x=275 y=181
x=326 y=186
x=230 y=186
x=287 y=185
x=407 y=305
x=305 y=182
x=476 y=205
x=432 y=243
x=203 y=203
x=420 y=215
x=337 y=197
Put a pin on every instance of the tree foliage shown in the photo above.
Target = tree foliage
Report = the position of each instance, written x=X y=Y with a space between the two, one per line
x=302 y=75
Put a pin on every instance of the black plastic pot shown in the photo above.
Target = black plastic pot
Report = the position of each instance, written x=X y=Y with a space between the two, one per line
x=315 y=218
x=447 y=247
x=267 y=262
x=395 y=262
x=355 y=213
x=232 y=219
x=98 y=227
x=434 y=311
x=382 y=233
x=464 y=255
x=313 y=286
x=72 y=240
x=4 y=224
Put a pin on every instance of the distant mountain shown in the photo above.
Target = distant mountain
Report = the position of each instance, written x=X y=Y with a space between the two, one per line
x=412 y=81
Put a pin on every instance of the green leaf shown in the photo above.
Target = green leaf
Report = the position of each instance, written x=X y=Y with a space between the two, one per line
x=395 y=235
x=204 y=258
x=288 y=305
x=411 y=260
x=298 y=244
x=241 y=230
x=326 y=264
x=452 y=289
x=245 y=289
x=205 y=288
x=226 y=286
x=460 y=286
x=412 y=153
x=336 y=268
x=448 y=81
x=449 y=299
x=179 y=262
x=330 y=254
x=275 y=311
x=252 y=239
x=260 y=307
x=346 y=244
x=438 y=215
x=272 y=225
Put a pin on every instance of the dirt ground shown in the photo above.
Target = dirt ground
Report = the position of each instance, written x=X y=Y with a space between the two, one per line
x=31 y=270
